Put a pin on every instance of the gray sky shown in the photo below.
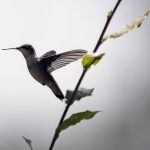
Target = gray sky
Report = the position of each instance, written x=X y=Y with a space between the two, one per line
x=121 y=80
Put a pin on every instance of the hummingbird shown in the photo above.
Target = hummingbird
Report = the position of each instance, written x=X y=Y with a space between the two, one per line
x=40 y=68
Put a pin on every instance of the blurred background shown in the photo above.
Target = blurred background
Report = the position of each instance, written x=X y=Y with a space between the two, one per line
x=121 y=80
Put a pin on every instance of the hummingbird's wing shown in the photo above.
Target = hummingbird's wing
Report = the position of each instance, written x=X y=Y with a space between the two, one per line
x=53 y=62
x=48 y=54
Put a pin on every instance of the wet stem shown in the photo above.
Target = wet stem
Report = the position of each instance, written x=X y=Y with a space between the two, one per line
x=100 y=41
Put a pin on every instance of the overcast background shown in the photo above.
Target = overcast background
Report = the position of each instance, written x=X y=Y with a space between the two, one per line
x=121 y=80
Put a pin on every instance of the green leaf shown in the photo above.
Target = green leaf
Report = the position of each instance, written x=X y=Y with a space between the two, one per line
x=89 y=60
x=76 y=118
x=82 y=92
x=28 y=141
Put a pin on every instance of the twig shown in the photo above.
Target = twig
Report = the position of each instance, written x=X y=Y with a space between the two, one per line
x=134 y=24
x=109 y=17
x=67 y=108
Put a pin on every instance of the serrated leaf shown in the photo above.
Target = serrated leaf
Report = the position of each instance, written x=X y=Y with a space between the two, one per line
x=135 y=24
x=82 y=92
x=28 y=141
x=76 y=118
x=89 y=60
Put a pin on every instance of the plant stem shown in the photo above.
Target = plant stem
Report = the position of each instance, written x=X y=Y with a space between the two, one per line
x=109 y=17
x=67 y=108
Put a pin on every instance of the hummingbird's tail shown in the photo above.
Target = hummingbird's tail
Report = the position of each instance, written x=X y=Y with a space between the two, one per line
x=52 y=84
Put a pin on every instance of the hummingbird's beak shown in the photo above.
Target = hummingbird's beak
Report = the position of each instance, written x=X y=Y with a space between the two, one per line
x=10 y=48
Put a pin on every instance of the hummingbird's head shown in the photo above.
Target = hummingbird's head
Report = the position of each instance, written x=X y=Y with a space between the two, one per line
x=26 y=49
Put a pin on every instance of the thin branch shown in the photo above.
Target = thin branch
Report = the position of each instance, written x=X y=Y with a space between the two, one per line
x=109 y=17
x=67 y=108
x=134 y=24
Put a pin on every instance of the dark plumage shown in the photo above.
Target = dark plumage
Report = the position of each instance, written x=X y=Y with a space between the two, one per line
x=41 y=68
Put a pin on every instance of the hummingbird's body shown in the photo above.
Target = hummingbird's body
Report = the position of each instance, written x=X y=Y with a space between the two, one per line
x=36 y=70
x=41 y=68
